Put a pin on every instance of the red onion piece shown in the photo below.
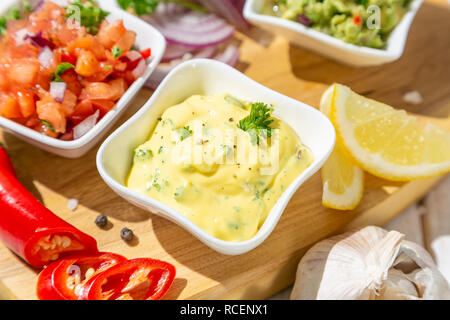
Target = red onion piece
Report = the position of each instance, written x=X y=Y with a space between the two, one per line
x=20 y=36
x=58 y=91
x=175 y=51
x=45 y=57
x=304 y=20
x=230 y=56
x=87 y=124
x=39 y=41
x=140 y=69
x=231 y=10
x=191 y=28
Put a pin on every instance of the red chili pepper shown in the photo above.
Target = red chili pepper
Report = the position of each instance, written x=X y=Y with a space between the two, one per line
x=137 y=279
x=5 y=161
x=31 y=230
x=63 y=279
x=146 y=53
x=357 y=19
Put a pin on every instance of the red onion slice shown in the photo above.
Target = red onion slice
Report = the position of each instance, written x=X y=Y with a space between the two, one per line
x=231 y=10
x=86 y=125
x=45 y=57
x=191 y=28
x=230 y=56
x=39 y=41
x=175 y=51
x=58 y=91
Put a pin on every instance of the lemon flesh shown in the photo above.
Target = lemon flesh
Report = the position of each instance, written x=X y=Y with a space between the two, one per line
x=343 y=181
x=387 y=142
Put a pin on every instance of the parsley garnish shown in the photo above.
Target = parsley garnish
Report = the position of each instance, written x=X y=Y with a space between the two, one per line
x=185 y=132
x=62 y=67
x=116 y=51
x=86 y=13
x=48 y=125
x=143 y=154
x=258 y=121
x=141 y=7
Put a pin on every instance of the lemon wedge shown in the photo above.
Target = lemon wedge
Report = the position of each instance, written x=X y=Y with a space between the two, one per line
x=387 y=142
x=342 y=180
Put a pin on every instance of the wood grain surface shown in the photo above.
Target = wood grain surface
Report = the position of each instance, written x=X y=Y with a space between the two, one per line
x=203 y=273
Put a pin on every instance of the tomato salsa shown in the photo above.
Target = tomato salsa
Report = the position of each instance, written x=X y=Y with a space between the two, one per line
x=63 y=68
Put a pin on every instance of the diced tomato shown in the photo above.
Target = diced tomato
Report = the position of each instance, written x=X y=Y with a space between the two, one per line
x=87 y=64
x=110 y=33
x=82 y=110
x=52 y=112
x=88 y=42
x=104 y=106
x=69 y=103
x=104 y=71
x=24 y=71
x=118 y=88
x=70 y=77
x=127 y=41
x=146 y=53
x=9 y=108
x=68 y=57
x=26 y=103
x=96 y=91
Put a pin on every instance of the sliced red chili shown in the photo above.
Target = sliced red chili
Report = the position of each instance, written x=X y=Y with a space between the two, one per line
x=137 y=279
x=32 y=231
x=63 y=279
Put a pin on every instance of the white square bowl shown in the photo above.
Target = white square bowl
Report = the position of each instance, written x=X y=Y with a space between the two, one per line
x=147 y=37
x=332 y=47
x=209 y=77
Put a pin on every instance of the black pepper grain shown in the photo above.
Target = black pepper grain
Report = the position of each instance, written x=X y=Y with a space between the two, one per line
x=101 y=221
x=126 y=234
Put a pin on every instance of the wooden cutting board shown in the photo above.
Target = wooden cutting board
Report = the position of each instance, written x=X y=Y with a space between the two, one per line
x=203 y=273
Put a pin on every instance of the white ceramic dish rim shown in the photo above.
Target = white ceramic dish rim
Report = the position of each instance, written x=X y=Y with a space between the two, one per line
x=222 y=246
x=395 y=43
x=111 y=115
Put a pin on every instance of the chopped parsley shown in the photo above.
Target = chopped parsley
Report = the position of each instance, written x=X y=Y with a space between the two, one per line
x=116 y=51
x=86 y=13
x=185 y=132
x=62 y=67
x=48 y=125
x=161 y=149
x=257 y=122
x=143 y=154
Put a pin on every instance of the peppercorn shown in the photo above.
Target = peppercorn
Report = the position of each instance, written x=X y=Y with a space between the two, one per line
x=101 y=221
x=126 y=234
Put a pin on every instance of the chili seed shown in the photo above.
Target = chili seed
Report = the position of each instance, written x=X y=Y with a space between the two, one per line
x=101 y=221
x=126 y=234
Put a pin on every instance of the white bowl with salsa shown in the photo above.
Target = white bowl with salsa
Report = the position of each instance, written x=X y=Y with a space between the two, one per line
x=146 y=37
x=209 y=78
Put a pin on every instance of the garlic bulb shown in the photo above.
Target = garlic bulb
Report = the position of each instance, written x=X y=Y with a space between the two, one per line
x=368 y=264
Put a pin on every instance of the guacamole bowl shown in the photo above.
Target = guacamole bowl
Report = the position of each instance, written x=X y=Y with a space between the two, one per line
x=330 y=46
x=209 y=77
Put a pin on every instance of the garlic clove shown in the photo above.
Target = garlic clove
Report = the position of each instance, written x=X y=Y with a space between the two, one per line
x=398 y=287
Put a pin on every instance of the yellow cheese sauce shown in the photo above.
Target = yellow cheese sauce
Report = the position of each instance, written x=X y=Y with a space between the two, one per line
x=200 y=163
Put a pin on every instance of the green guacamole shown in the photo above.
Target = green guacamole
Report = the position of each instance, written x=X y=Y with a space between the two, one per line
x=349 y=20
